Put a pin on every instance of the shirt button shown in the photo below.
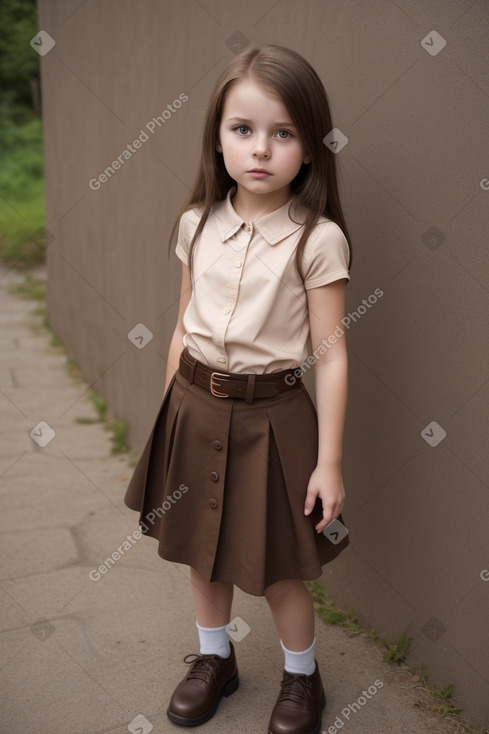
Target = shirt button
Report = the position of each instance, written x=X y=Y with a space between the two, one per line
x=238 y=263
x=247 y=227
x=214 y=476
x=226 y=311
x=221 y=359
x=213 y=503
x=217 y=445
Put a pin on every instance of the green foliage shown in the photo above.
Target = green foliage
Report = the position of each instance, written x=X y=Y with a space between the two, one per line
x=19 y=62
x=119 y=430
x=325 y=607
x=444 y=708
x=22 y=211
x=31 y=288
x=35 y=289
x=100 y=406
x=22 y=215
x=397 y=653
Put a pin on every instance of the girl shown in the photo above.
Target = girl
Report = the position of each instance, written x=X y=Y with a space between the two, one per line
x=241 y=474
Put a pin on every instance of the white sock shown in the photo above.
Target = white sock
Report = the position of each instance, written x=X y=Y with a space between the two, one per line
x=302 y=662
x=214 y=640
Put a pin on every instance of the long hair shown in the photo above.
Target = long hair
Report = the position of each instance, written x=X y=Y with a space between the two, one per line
x=286 y=75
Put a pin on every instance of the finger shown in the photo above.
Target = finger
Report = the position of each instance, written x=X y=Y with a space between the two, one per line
x=330 y=513
x=310 y=501
x=328 y=516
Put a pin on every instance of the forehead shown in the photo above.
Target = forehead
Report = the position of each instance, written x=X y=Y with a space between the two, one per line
x=247 y=98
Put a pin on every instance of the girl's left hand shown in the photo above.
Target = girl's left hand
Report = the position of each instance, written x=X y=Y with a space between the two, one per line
x=327 y=483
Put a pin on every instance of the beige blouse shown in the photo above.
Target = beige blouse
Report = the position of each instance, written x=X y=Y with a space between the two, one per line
x=248 y=309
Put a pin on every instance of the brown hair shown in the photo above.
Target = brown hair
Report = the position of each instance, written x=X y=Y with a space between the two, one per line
x=287 y=76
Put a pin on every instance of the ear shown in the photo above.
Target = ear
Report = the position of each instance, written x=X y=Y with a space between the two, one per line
x=307 y=159
x=218 y=146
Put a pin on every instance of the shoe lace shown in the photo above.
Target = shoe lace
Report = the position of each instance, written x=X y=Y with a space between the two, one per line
x=295 y=687
x=203 y=666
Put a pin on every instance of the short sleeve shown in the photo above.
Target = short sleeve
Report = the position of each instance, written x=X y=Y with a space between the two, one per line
x=326 y=256
x=186 y=230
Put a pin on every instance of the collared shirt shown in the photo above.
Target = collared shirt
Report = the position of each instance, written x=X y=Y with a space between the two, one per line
x=248 y=309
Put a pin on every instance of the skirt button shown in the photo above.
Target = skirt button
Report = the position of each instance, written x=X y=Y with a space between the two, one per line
x=214 y=476
x=217 y=445
x=213 y=503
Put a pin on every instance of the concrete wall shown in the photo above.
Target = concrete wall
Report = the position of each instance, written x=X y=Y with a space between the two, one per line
x=415 y=191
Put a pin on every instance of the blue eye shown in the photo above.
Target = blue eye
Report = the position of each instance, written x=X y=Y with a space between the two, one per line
x=241 y=127
x=288 y=134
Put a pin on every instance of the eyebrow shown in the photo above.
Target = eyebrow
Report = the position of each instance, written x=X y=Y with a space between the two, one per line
x=244 y=119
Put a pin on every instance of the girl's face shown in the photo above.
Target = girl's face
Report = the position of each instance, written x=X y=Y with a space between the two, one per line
x=256 y=132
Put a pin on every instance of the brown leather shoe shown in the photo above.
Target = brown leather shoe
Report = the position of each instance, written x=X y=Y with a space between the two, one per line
x=299 y=705
x=197 y=696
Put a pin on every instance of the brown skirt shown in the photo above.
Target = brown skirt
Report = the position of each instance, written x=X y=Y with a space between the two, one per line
x=221 y=485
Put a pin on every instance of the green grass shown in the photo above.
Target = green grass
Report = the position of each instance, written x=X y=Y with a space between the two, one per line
x=34 y=289
x=329 y=613
x=395 y=653
x=119 y=430
x=442 y=707
x=99 y=404
x=22 y=208
x=31 y=288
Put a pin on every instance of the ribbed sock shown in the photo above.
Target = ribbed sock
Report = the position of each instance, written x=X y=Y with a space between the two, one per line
x=301 y=662
x=214 y=640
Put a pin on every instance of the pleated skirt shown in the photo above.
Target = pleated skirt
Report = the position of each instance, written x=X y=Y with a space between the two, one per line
x=221 y=485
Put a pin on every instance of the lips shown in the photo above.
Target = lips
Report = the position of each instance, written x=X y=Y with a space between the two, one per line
x=259 y=170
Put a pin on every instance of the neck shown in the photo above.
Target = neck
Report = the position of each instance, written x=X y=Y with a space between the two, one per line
x=251 y=206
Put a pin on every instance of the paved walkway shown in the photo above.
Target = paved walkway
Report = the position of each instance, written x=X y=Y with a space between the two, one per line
x=86 y=653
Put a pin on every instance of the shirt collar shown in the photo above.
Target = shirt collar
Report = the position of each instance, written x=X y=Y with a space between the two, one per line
x=273 y=227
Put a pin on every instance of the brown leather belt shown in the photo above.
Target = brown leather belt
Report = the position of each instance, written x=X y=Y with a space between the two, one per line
x=247 y=386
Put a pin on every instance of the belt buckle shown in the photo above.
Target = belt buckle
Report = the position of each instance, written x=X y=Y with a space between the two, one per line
x=212 y=385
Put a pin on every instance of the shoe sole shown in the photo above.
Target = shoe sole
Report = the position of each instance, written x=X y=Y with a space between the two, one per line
x=231 y=687
x=317 y=729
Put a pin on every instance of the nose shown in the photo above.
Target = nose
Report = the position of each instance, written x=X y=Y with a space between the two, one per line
x=261 y=147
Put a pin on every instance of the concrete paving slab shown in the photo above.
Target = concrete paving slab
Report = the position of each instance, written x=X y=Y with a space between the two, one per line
x=27 y=508
x=25 y=552
x=87 y=651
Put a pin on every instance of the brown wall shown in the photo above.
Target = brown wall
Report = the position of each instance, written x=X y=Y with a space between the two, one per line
x=415 y=192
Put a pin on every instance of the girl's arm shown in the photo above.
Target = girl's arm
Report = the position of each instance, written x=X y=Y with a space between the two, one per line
x=176 y=344
x=326 y=309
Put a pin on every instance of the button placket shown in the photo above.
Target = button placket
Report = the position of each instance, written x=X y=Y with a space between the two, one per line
x=234 y=267
x=214 y=476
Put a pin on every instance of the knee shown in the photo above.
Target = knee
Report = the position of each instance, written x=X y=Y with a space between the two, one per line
x=277 y=592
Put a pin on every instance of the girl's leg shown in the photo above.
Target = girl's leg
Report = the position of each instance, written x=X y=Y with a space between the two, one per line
x=301 y=698
x=214 y=673
x=293 y=613
x=212 y=600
